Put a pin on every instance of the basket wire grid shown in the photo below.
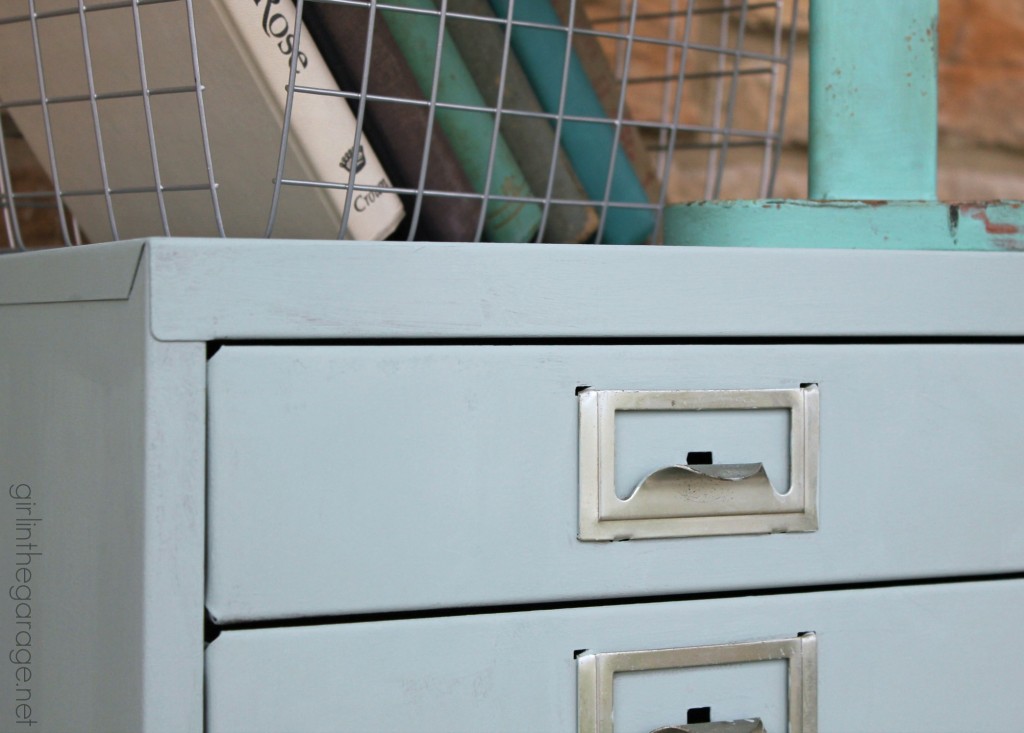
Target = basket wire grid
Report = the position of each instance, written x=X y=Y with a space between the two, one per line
x=695 y=91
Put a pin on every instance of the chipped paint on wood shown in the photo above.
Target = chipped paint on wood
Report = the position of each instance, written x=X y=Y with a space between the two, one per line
x=865 y=224
x=1003 y=222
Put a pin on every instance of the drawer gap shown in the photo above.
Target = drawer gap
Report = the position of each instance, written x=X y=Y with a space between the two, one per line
x=586 y=340
x=216 y=628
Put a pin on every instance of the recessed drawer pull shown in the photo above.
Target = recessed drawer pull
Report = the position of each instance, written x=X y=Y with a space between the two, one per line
x=705 y=490
x=597 y=691
x=698 y=498
x=733 y=726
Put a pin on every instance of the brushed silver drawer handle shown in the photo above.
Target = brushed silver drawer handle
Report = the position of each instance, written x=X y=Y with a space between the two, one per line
x=596 y=673
x=696 y=499
x=705 y=490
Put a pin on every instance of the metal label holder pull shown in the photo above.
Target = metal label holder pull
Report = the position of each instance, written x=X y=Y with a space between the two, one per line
x=752 y=725
x=596 y=672
x=696 y=500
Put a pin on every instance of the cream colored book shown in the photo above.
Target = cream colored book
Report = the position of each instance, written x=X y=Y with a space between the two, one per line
x=244 y=53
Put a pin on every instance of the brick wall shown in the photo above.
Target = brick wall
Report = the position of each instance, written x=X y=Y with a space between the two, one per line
x=981 y=91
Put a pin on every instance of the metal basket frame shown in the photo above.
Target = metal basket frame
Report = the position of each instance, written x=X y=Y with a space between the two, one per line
x=721 y=134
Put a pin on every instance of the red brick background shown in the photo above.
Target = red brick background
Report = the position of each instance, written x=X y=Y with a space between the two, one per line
x=981 y=90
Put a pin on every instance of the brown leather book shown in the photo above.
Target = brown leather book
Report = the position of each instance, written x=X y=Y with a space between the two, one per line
x=396 y=130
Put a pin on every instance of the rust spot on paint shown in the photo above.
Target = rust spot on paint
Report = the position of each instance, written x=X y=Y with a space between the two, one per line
x=967 y=206
x=980 y=213
x=1001 y=228
x=875 y=203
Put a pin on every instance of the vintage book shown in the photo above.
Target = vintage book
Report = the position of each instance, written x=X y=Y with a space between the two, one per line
x=398 y=131
x=531 y=138
x=471 y=132
x=244 y=54
x=602 y=77
x=590 y=145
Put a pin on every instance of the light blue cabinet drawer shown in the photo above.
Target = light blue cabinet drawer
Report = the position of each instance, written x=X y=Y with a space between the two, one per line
x=921 y=659
x=347 y=479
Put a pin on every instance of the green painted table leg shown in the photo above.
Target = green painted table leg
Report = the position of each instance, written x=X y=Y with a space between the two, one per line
x=873 y=99
x=872 y=149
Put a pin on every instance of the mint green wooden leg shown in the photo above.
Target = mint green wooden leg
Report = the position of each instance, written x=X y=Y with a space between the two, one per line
x=871 y=176
x=874 y=109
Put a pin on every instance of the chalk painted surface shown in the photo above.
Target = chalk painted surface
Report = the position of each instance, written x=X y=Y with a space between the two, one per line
x=926 y=659
x=375 y=478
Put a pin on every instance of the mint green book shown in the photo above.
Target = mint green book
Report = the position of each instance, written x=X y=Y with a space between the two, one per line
x=590 y=145
x=470 y=132
x=529 y=136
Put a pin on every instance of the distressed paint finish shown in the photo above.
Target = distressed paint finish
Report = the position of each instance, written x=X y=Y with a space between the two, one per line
x=874 y=109
x=255 y=289
x=106 y=424
x=991 y=226
x=873 y=146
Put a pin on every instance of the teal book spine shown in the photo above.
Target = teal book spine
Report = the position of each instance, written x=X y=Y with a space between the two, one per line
x=529 y=136
x=541 y=52
x=470 y=132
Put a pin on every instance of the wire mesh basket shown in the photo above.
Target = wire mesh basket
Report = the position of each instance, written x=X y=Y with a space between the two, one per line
x=429 y=120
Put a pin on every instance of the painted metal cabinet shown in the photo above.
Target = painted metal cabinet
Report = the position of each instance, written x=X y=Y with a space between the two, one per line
x=380 y=481
x=894 y=659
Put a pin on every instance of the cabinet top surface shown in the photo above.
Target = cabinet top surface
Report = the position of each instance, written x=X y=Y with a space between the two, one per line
x=205 y=290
